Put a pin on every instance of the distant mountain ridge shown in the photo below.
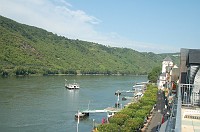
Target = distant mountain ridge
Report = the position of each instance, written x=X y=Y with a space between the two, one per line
x=31 y=50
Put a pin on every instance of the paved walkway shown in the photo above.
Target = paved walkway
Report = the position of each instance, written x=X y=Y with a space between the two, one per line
x=157 y=114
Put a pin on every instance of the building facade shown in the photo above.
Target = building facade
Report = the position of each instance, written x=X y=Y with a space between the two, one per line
x=164 y=77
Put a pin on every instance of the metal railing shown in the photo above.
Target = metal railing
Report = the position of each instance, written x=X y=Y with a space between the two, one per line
x=172 y=119
x=187 y=95
x=190 y=94
x=178 y=112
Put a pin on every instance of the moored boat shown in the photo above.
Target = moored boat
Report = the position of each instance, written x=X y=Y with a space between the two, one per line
x=72 y=85
x=81 y=115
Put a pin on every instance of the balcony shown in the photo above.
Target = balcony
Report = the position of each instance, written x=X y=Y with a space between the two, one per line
x=185 y=110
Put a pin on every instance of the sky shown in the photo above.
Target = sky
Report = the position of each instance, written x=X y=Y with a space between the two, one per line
x=159 y=26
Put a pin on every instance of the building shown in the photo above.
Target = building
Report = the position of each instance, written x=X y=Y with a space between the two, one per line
x=185 y=94
x=162 y=80
x=164 y=77
x=167 y=62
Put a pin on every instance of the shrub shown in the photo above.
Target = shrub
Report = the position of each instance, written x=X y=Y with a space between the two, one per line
x=111 y=127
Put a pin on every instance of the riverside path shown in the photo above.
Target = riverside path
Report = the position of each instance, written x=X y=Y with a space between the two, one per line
x=157 y=113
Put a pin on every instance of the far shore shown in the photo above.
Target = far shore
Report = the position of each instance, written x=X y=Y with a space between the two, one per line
x=74 y=75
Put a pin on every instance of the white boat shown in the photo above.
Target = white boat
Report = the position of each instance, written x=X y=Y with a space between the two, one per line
x=110 y=114
x=72 y=85
x=81 y=115
x=139 y=94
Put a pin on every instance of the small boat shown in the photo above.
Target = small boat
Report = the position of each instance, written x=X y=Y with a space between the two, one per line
x=124 y=98
x=81 y=115
x=139 y=94
x=72 y=85
x=110 y=114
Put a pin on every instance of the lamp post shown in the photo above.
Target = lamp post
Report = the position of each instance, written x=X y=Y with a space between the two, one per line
x=77 y=121
x=93 y=123
x=117 y=100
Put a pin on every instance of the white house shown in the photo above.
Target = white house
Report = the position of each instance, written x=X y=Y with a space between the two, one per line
x=162 y=80
x=167 y=65
x=166 y=62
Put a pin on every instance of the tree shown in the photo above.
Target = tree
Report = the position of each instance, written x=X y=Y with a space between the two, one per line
x=132 y=124
x=119 y=118
x=130 y=112
x=111 y=127
x=131 y=118
x=153 y=75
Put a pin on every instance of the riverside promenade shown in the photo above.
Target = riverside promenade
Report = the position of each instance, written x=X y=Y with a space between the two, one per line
x=157 y=114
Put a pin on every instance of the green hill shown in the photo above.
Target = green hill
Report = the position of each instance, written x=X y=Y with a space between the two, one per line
x=30 y=50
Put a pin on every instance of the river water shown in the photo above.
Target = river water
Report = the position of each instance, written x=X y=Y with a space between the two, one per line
x=43 y=104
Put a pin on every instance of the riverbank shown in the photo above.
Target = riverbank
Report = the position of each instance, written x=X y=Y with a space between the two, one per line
x=13 y=75
x=135 y=115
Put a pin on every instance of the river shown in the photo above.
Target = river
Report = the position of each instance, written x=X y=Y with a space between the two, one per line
x=43 y=104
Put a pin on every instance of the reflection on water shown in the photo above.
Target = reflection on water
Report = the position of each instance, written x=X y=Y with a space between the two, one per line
x=44 y=104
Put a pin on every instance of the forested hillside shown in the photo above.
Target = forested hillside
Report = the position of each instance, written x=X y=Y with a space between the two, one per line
x=30 y=50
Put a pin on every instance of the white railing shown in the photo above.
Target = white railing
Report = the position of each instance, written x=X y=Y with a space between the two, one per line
x=187 y=95
x=190 y=94
x=178 y=112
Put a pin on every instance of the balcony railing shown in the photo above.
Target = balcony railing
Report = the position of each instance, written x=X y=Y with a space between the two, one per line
x=190 y=94
x=187 y=95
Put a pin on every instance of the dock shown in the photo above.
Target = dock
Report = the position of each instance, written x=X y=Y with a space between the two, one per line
x=112 y=110
x=85 y=113
x=124 y=91
x=109 y=109
x=142 y=83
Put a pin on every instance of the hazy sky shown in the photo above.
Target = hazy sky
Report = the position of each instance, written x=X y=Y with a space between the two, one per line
x=157 y=26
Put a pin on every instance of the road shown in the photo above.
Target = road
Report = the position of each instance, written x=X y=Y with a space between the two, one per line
x=158 y=112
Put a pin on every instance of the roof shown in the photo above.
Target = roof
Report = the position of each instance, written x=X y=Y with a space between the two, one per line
x=175 y=66
x=193 y=56
x=167 y=59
